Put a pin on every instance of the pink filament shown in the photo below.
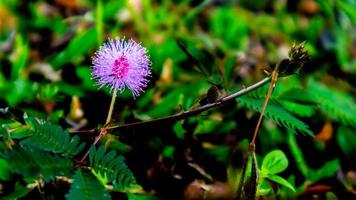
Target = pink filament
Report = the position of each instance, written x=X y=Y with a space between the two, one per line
x=121 y=66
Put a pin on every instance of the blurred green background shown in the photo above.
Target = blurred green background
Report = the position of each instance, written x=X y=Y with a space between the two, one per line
x=45 y=58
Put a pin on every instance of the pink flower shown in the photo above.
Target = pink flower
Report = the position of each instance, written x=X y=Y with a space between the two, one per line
x=119 y=63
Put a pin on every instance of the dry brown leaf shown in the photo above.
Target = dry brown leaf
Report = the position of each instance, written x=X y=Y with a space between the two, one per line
x=326 y=133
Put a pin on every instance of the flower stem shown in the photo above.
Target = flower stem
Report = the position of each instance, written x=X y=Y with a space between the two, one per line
x=108 y=119
x=103 y=131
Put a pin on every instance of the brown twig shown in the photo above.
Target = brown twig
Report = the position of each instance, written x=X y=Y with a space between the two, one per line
x=181 y=115
x=269 y=93
x=252 y=182
x=103 y=131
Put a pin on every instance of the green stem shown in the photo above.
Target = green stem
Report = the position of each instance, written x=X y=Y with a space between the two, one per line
x=108 y=119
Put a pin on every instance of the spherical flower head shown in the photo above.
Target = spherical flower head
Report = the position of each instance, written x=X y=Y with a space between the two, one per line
x=121 y=63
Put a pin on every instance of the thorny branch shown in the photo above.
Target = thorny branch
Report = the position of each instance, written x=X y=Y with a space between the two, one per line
x=180 y=115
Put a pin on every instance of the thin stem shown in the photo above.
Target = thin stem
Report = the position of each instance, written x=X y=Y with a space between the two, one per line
x=108 y=119
x=252 y=146
x=196 y=111
x=97 y=139
x=184 y=114
x=269 y=92
x=103 y=131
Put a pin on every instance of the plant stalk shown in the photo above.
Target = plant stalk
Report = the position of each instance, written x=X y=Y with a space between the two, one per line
x=269 y=93
x=184 y=114
x=108 y=119
x=103 y=131
x=253 y=181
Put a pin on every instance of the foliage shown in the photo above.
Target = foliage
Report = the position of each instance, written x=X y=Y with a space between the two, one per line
x=45 y=71
x=276 y=112
x=346 y=140
x=33 y=163
x=111 y=167
x=86 y=186
x=339 y=105
x=273 y=163
x=248 y=182
x=327 y=170
x=42 y=150
x=254 y=181
x=49 y=137
x=19 y=191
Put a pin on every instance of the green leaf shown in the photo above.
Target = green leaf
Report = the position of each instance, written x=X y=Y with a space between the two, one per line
x=233 y=35
x=33 y=163
x=221 y=153
x=298 y=109
x=51 y=137
x=112 y=168
x=339 y=105
x=84 y=73
x=348 y=8
x=78 y=46
x=229 y=67
x=86 y=186
x=168 y=49
x=118 y=146
x=248 y=181
x=297 y=154
x=275 y=112
x=281 y=181
x=206 y=126
x=298 y=95
x=179 y=130
x=286 y=101
x=166 y=106
x=176 y=97
x=168 y=151
x=70 y=90
x=99 y=22
x=25 y=91
x=327 y=170
x=111 y=9
x=330 y=196
x=346 y=139
x=274 y=162
x=19 y=61
x=205 y=64
x=48 y=92
x=40 y=20
x=264 y=188
x=16 y=130
x=5 y=171
x=133 y=196
x=19 y=191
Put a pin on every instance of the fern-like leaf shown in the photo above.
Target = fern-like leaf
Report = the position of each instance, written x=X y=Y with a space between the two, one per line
x=296 y=101
x=111 y=167
x=337 y=104
x=50 y=137
x=275 y=112
x=298 y=109
x=298 y=95
x=34 y=163
x=86 y=187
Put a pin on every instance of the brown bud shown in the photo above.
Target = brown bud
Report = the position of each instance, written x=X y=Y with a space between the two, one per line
x=298 y=53
x=298 y=56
